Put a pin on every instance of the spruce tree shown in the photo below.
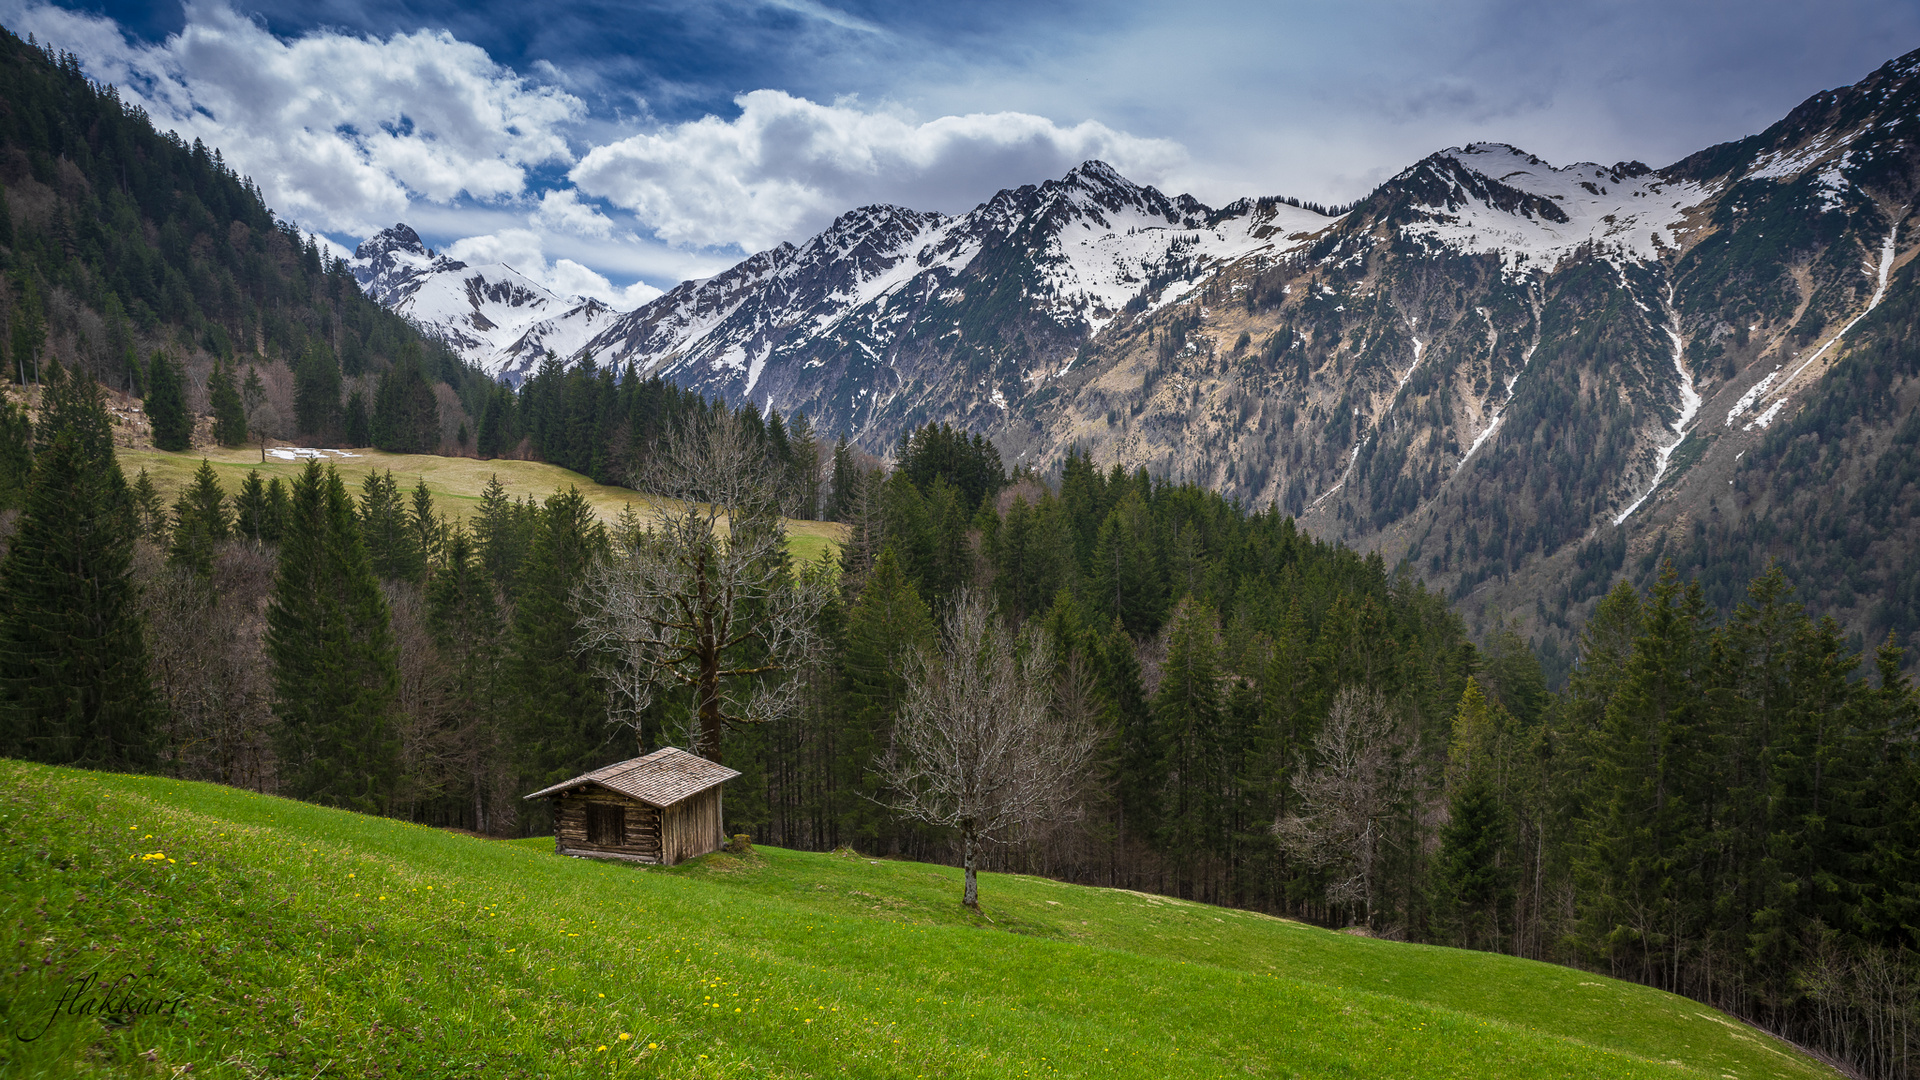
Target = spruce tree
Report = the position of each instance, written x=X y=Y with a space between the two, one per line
x=561 y=709
x=167 y=404
x=1474 y=888
x=463 y=614
x=253 y=514
x=73 y=659
x=229 y=412
x=316 y=392
x=392 y=545
x=885 y=627
x=150 y=514
x=357 y=430
x=492 y=440
x=28 y=325
x=279 y=508
x=427 y=528
x=16 y=454
x=406 y=416
x=1187 y=709
x=331 y=648
x=200 y=522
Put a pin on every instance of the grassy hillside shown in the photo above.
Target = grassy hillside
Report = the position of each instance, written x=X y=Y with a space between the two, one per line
x=455 y=482
x=303 y=942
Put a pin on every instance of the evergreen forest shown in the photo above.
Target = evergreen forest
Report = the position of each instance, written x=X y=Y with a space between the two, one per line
x=1722 y=805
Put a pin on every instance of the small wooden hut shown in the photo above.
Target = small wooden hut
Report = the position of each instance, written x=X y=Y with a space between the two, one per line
x=662 y=808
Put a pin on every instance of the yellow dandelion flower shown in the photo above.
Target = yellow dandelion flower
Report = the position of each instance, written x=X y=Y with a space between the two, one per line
x=653 y=1046
x=599 y=1048
x=624 y=1036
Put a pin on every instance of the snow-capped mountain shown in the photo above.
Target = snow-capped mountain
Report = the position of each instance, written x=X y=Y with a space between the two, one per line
x=845 y=324
x=1089 y=246
x=490 y=313
x=1490 y=366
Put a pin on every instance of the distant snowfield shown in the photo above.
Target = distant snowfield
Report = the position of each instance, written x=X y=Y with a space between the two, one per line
x=302 y=453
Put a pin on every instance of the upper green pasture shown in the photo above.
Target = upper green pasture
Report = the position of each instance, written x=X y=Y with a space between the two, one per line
x=455 y=482
x=306 y=942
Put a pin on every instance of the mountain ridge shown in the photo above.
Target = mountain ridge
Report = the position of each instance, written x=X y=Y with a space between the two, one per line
x=1485 y=366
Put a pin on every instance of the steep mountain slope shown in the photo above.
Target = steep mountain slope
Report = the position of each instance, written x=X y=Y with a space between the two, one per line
x=1515 y=375
x=492 y=314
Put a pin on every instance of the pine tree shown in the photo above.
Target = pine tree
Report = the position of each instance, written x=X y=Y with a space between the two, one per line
x=562 y=710
x=253 y=512
x=406 y=416
x=200 y=522
x=1188 y=711
x=1641 y=897
x=464 y=617
x=316 y=392
x=884 y=628
x=73 y=660
x=356 y=428
x=392 y=545
x=1473 y=878
x=229 y=412
x=1474 y=888
x=502 y=533
x=1126 y=576
x=330 y=644
x=429 y=531
x=28 y=323
x=279 y=508
x=167 y=404
x=492 y=440
x=16 y=453
x=150 y=514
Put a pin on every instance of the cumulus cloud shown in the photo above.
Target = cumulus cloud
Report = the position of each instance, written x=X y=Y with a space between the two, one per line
x=562 y=211
x=339 y=131
x=348 y=132
x=525 y=251
x=786 y=166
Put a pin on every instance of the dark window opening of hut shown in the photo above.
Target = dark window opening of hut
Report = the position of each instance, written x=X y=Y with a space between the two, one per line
x=606 y=824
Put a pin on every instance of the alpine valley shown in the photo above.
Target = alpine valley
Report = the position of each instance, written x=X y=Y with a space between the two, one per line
x=1526 y=380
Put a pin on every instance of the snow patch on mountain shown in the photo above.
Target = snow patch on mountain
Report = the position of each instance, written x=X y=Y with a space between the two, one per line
x=1624 y=213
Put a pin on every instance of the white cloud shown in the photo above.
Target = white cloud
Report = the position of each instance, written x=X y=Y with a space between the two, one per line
x=562 y=211
x=339 y=131
x=786 y=166
x=525 y=251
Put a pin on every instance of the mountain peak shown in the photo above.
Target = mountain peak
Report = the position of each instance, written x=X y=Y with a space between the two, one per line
x=400 y=237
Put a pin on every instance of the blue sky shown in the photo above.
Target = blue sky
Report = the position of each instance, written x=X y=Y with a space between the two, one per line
x=615 y=149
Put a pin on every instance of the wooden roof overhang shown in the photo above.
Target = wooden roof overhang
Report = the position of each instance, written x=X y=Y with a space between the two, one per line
x=659 y=779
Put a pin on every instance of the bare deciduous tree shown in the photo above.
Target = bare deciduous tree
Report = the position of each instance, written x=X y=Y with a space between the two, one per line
x=1347 y=796
x=977 y=746
x=207 y=663
x=706 y=598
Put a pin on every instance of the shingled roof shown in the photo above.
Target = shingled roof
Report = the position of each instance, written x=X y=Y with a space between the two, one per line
x=659 y=779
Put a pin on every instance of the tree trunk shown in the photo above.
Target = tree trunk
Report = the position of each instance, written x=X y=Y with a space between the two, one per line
x=971 y=896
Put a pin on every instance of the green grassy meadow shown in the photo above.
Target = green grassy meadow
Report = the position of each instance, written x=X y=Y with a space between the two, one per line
x=305 y=942
x=456 y=483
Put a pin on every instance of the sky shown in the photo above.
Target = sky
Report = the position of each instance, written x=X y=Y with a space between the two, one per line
x=615 y=149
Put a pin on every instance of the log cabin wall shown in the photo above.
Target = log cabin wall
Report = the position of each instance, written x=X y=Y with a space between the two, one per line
x=570 y=825
x=691 y=827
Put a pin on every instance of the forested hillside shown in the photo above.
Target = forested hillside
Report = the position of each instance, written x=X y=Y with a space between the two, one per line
x=149 y=263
